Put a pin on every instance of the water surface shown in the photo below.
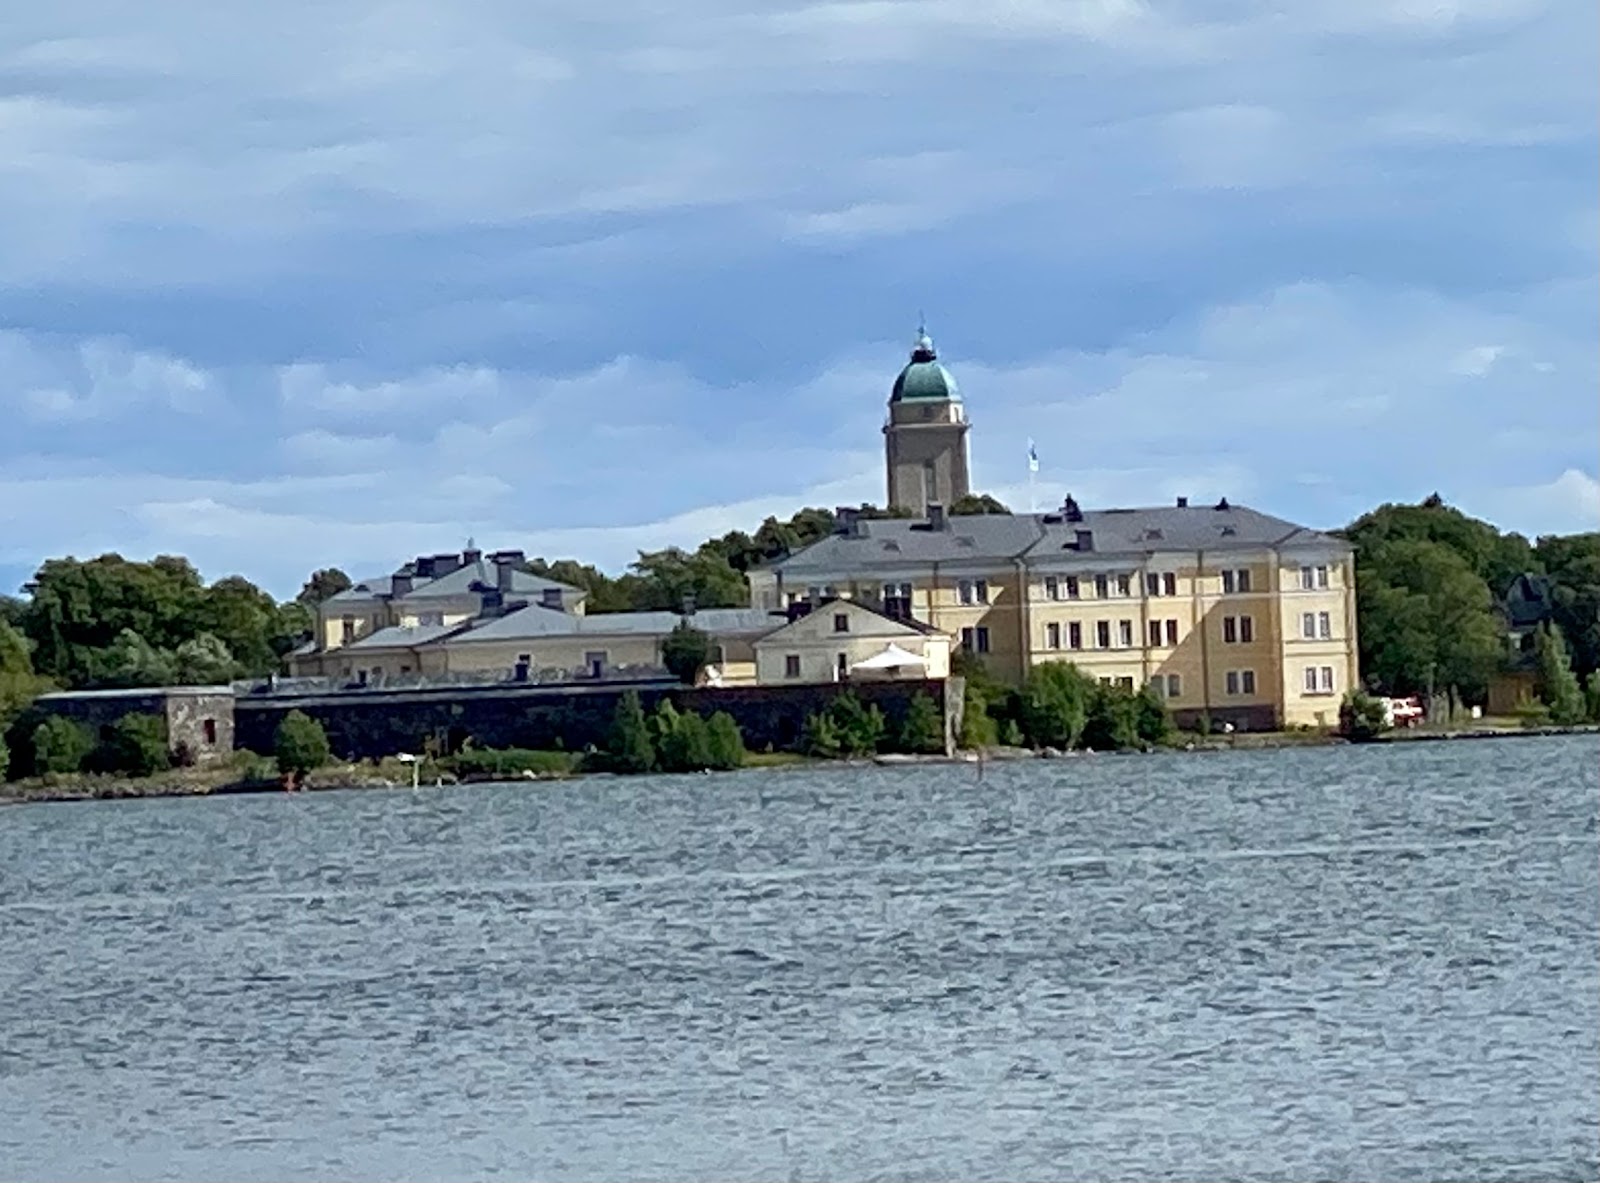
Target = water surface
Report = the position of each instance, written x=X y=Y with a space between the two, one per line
x=1322 y=964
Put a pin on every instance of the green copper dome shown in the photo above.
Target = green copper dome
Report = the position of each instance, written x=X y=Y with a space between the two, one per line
x=924 y=377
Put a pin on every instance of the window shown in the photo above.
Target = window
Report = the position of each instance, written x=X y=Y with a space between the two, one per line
x=425 y=619
x=1311 y=679
x=1074 y=635
x=595 y=661
x=1230 y=630
x=841 y=622
x=975 y=640
x=347 y=629
x=1052 y=636
x=1052 y=588
x=1126 y=683
x=1169 y=584
x=1072 y=587
x=550 y=597
x=974 y=591
x=1247 y=681
x=1102 y=634
x=1152 y=585
x=1100 y=587
x=209 y=728
x=1324 y=626
x=1308 y=626
x=1155 y=634
x=1325 y=679
x=930 y=482
x=1247 y=629
x=1307 y=579
x=1174 y=686
x=1123 y=585
x=524 y=659
x=1228 y=585
x=964 y=591
x=983 y=639
x=1125 y=634
x=897 y=591
x=841 y=667
x=791 y=665
x=1172 y=633
x=980 y=587
x=1244 y=579
x=1322 y=577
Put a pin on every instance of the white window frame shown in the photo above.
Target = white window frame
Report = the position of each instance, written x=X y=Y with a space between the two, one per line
x=1174 y=686
x=1230 y=630
x=1172 y=633
x=1052 y=635
x=1230 y=683
x=1325 y=626
x=1075 y=635
x=1124 y=634
x=1102 y=634
x=1325 y=679
x=1308 y=626
x=1052 y=587
x=1309 y=682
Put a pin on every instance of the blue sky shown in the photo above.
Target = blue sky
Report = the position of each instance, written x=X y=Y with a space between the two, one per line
x=291 y=285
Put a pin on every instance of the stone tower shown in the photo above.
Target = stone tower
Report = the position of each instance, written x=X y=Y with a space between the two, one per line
x=925 y=440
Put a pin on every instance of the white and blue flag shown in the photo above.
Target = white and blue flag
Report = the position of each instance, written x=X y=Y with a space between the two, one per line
x=1033 y=457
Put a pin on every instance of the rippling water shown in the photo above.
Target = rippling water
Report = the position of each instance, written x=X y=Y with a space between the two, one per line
x=1331 y=964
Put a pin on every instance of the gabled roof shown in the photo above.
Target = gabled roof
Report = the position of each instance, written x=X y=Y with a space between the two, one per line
x=400 y=637
x=1527 y=601
x=898 y=541
x=1168 y=528
x=458 y=583
x=534 y=621
x=882 y=626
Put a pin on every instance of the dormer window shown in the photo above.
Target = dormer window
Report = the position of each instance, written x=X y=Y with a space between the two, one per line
x=841 y=622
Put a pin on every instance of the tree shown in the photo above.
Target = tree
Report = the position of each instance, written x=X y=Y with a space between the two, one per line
x=978 y=729
x=19 y=685
x=1153 y=720
x=820 y=736
x=1055 y=705
x=725 y=743
x=974 y=504
x=629 y=747
x=1572 y=567
x=1495 y=558
x=130 y=661
x=1113 y=719
x=5 y=758
x=682 y=743
x=1558 y=685
x=685 y=652
x=1361 y=717
x=137 y=745
x=922 y=728
x=860 y=728
x=60 y=745
x=203 y=661
x=1591 y=696
x=300 y=746
x=323 y=585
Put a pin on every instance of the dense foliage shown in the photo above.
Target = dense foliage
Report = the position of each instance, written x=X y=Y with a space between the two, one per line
x=685 y=651
x=1361 y=717
x=300 y=745
x=60 y=745
x=510 y=763
x=669 y=740
x=137 y=745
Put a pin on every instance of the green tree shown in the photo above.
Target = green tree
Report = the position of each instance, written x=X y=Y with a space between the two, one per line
x=820 y=736
x=19 y=685
x=1494 y=557
x=629 y=747
x=1558 y=685
x=1113 y=719
x=60 y=745
x=300 y=746
x=137 y=745
x=1056 y=697
x=1572 y=567
x=973 y=504
x=203 y=661
x=1591 y=696
x=131 y=661
x=1153 y=719
x=685 y=651
x=725 y=743
x=5 y=758
x=922 y=728
x=978 y=728
x=682 y=741
x=323 y=585
x=860 y=728
x=1361 y=717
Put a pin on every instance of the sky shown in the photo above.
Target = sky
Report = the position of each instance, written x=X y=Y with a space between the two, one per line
x=305 y=284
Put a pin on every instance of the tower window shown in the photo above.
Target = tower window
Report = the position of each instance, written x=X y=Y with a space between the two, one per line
x=930 y=481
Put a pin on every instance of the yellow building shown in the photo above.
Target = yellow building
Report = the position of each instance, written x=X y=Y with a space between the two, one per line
x=841 y=640
x=1226 y=611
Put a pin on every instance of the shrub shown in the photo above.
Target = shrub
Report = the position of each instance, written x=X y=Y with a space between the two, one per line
x=1154 y=721
x=820 y=736
x=1558 y=685
x=5 y=758
x=1591 y=694
x=508 y=763
x=1055 y=705
x=861 y=728
x=685 y=652
x=977 y=725
x=682 y=743
x=1011 y=734
x=725 y=743
x=629 y=747
x=922 y=730
x=137 y=745
x=1533 y=714
x=1113 y=719
x=60 y=745
x=300 y=745
x=1361 y=717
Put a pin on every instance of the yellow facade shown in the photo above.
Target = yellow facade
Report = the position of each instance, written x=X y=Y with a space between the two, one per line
x=825 y=645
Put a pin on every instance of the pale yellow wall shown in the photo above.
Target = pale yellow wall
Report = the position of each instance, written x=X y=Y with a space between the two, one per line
x=816 y=641
x=551 y=653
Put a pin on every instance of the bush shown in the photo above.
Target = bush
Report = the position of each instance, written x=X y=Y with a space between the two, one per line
x=1055 y=705
x=922 y=730
x=682 y=742
x=820 y=736
x=977 y=725
x=1154 y=719
x=509 y=763
x=861 y=728
x=1558 y=685
x=300 y=745
x=1361 y=717
x=725 y=743
x=629 y=747
x=685 y=652
x=1113 y=719
x=1591 y=694
x=137 y=745
x=60 y=745
x=5 y=758
x=1533 y=714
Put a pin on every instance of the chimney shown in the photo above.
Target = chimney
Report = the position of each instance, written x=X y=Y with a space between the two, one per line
x=1223 y=504
x=1183 y=503
x=1084 y=540
x=688 y=603
x=470 y=555
x=849 y=519
x=425 y=567
x=1070 y=510
x=400 y=585
x=504 y=572
x=936 y=518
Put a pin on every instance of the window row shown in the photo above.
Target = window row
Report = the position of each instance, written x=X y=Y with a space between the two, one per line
x=1071 y=587
x=1101 y=635
x=1318 y=679
x=1316 y=626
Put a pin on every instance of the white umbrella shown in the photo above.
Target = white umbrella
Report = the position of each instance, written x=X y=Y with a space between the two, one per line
x=892 y=658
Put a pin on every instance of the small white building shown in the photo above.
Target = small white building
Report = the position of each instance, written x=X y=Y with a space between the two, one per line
x=841 y=640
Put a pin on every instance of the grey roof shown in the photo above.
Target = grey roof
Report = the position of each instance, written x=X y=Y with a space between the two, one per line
x=135 y=692
x=399 y=636
x=534 y=621
x=884 y=543
x=457 y=583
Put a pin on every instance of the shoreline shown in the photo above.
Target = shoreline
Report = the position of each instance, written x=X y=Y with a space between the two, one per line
x=205 y=783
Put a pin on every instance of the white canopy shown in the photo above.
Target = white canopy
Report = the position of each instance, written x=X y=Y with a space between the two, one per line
x=892 y=658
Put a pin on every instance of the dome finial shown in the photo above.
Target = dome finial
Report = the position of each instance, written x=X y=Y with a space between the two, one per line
x=922 y=349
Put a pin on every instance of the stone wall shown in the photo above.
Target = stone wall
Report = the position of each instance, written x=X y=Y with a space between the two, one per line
x=200 y=720
x=369 y=724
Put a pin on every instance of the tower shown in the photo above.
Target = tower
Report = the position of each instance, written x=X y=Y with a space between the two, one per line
x=925 y=439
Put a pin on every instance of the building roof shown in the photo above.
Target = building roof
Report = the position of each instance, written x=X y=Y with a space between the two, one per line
x=136 y=692
x=457 y=583
x=1527 y=601
x=881 y=625
x=534 y=621
x=400 y=637
x=924 y=377
x=889 y=542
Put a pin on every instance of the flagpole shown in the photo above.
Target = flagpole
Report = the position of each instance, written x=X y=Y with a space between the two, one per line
x=1033 y=470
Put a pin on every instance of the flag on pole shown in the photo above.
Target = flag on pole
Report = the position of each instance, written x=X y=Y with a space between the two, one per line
x=1033 y=457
